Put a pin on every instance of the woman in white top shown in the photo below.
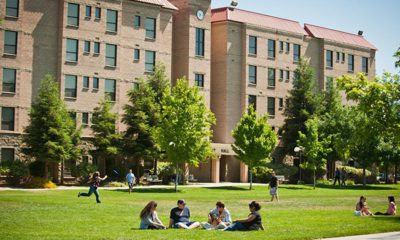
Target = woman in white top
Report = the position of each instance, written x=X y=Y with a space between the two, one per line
x=149 y=218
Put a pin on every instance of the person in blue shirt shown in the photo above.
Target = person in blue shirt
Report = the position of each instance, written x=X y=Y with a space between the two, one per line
x=130 y=178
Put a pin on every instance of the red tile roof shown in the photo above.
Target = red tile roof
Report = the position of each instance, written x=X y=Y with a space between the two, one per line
x=338 y=36
x=266 y=21
x=162 y=3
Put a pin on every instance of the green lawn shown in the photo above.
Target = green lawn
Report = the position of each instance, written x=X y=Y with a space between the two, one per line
x=303 y=213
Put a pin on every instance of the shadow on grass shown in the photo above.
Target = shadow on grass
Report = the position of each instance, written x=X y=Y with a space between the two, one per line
x=387 y=218
x=148 y=190
x=300 y=187
x=356 y=187
x=230 y=188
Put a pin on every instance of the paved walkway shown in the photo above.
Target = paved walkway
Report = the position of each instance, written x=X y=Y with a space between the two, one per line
x=378 y=236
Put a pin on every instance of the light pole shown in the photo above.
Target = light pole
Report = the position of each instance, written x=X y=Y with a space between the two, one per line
x=299 y=150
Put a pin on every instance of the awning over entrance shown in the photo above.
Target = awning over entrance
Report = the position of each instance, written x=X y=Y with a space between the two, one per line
x=223 y=149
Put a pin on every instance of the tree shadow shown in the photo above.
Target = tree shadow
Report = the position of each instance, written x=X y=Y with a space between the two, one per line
x=356 y=187
x=387 y=218
x=149 y=190
x=296 y=188
x=229 y=188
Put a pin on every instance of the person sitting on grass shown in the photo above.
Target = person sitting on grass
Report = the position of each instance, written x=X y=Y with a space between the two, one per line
x=180 y=217
x=149 y=218
x=252 y=222
x=362 y=208
x=392 y=208
x=218 y=218
x=95 y=183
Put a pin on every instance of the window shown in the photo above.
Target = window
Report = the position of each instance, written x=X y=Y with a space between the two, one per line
x=199 y=42
x=150 y=61
x=110 y=90
x=111 y=55
x=86 y=48
x=343 y=57
x=271 y=48
x=88 y=11
x=365 y=64
x=296 y=52
x=151 y=28
x=70 y=86
x=328 y=83
x=85 y=119
x=85 y=82
x=281 y=46
x=72 y=115
x=252 y=45
x=7 y=154
x=10 y=42
x=96 y=48
x=337 y=56
x=112 y=20
x=136 y=85
x=329 y=58
x=7 y=118
x=199 y=80
x=253 y=101
x=287 y=76
x=72 y=50
x=97 y=13
x=12 y=8
x=281 y=74
x=137 y=21
x=271 y=107
x=287 y=47
x=271 y=77
x=252 y=74
x=95 y=83
x=296 y=75
x=73 y=15
x=350 y=60
x=136 y=54
x=280 y=103
x=9 y=80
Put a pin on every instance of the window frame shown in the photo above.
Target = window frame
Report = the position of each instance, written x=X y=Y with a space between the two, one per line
x=281 y=46
x=287 y=78
x=337 y=57
x=7 y=122
x=96 y=46
x=252 y=45
x=85 y=82
x=75 y=18
x=296 y=52
x=8 y=44
x=280 y=103
x=350 y=64
x=96 y=83
x=151 y=33
x=112 y=26
x=86 y=46
x=14 y=83
x=68 y=51
x=251 y=101
x=136 y=54
x=287 y=47
x=97 y=13
x=271 y=70
x=109 y=58
x=365 y=68
x=85 y=124
x=271 y=52
x=70 y=92
x=13 y=8
x=88 y=9
x=147 y=63
x=329 y=58
x=251 y=77
x=137 y=21
x=269 y=107
x=200 y=44
x=199 y=80
x=110 y=96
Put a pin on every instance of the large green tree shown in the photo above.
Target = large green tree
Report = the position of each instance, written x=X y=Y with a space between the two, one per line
x=314 y=147
x=254 y=140
x=185 y=129
x=51 y=135
x=106 y=139
x=397 y=56
x=302 y=102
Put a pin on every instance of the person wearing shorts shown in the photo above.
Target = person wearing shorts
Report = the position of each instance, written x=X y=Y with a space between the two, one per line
x=180 y=217
x=130 y=178
x=273 y=187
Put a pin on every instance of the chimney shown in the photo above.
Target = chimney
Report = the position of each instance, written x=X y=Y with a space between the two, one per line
x=360 y=33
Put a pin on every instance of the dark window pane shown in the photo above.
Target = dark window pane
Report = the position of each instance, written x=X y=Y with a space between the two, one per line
x=296 y=52
x=110 y=89
x=350 y=63
x=7 y=118
x=343 y=57
x=72 y=50
x=96 y=48
x=337 y=56
x=70 y=86
x=365 y=64
x=9 y=80
x=271 y=77
x=12 y=8
x=280 y=46
x=252 y=45
x=136 y=21
x=150 y=61
x=85 y=119
x=329 y=58
x=95 y=83
x=112 y=20
x=85 y=82
x=111 y=55
x=253 y=101
x=150 y=28
x=328 y=83
x=86 y=48
x=252 y=74
x=271 y=106
x=97 y=13
x=73 y=14
x=10 y=42
x=88 y=11
x=271 y=48
x=136 y=54
x=199 y=42
x=287 y=75
x=199 y=80
x=287 y=47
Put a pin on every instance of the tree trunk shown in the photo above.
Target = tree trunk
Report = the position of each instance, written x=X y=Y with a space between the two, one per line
x=155 y=167
x=251 y=179
x=62 y=173
x=386 y=173
x=176 y=177
x=395 y=173
x=314 y=177
x=364 y=178
x=137 y=170
x=46 y=170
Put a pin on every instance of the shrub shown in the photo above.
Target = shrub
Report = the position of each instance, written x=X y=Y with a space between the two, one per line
x=83 y=171
x=356 y=174
x=262 y=174
x=4 y=170
x=36 y=168
x=166 y=171
x=323 y=182
x=350 y=183
x=116 y=184
x=15 y=170
x=38 y=182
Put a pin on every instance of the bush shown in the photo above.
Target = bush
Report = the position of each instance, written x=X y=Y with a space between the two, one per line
x=116 y=184
x=356 y=175
x=36 y=168
x=263 y=174
x=350 y=183
x=166 y=171
x=15 y=171
x=38 y=182
x=323 y=182
x=4 y=170
x=83 y=171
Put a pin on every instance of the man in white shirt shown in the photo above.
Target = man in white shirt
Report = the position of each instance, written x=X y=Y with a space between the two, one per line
x=130 y=178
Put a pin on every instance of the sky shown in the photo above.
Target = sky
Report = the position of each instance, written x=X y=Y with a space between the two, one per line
x=379 y=19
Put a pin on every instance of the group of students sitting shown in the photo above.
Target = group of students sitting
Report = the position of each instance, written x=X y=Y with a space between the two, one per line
x=363 y=210
x=218 y=218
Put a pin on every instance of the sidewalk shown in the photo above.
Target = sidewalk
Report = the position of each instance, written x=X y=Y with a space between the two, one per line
x=383 y=236
x=193 y=185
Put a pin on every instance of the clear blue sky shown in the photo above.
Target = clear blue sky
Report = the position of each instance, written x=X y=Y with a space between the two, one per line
x=379 y=19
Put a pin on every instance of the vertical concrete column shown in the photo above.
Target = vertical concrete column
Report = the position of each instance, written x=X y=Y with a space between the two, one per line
x=215 y=164
x=244 y=176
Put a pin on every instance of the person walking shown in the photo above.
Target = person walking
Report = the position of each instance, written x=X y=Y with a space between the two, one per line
x=273 y=187
x=337 y=176
x=95 y=183
x=130 y=178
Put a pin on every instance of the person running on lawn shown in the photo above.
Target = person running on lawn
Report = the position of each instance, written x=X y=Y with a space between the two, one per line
x=95 y=183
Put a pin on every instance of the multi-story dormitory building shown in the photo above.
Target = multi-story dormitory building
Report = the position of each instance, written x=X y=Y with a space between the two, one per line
x=99 y=49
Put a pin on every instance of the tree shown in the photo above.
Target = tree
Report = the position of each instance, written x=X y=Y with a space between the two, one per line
x=51 y=135
x=106 y=140
x=303 y=101
x=254 y=140
x=314 y=148
x=184 y=132
x=397 y=56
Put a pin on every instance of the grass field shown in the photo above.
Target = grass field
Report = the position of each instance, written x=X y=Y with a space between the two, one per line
x=302 y=213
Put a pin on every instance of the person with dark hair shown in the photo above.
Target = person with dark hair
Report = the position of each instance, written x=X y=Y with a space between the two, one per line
x=149 y=218
x=218 y=218
x=273 y=187
x=392 y=208
x=251 y=223
x=337 y=176
x=130 y=178
x=180 y=217
x=362 y=208
x=95 y=183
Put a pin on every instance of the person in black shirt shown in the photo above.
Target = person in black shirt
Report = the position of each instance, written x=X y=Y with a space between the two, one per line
x=180 y=217
x=273 y=187
x=251 y=223
x=337 y=176
x=95 y=183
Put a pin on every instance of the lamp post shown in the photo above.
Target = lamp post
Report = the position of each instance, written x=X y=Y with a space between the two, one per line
x=299 y=150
